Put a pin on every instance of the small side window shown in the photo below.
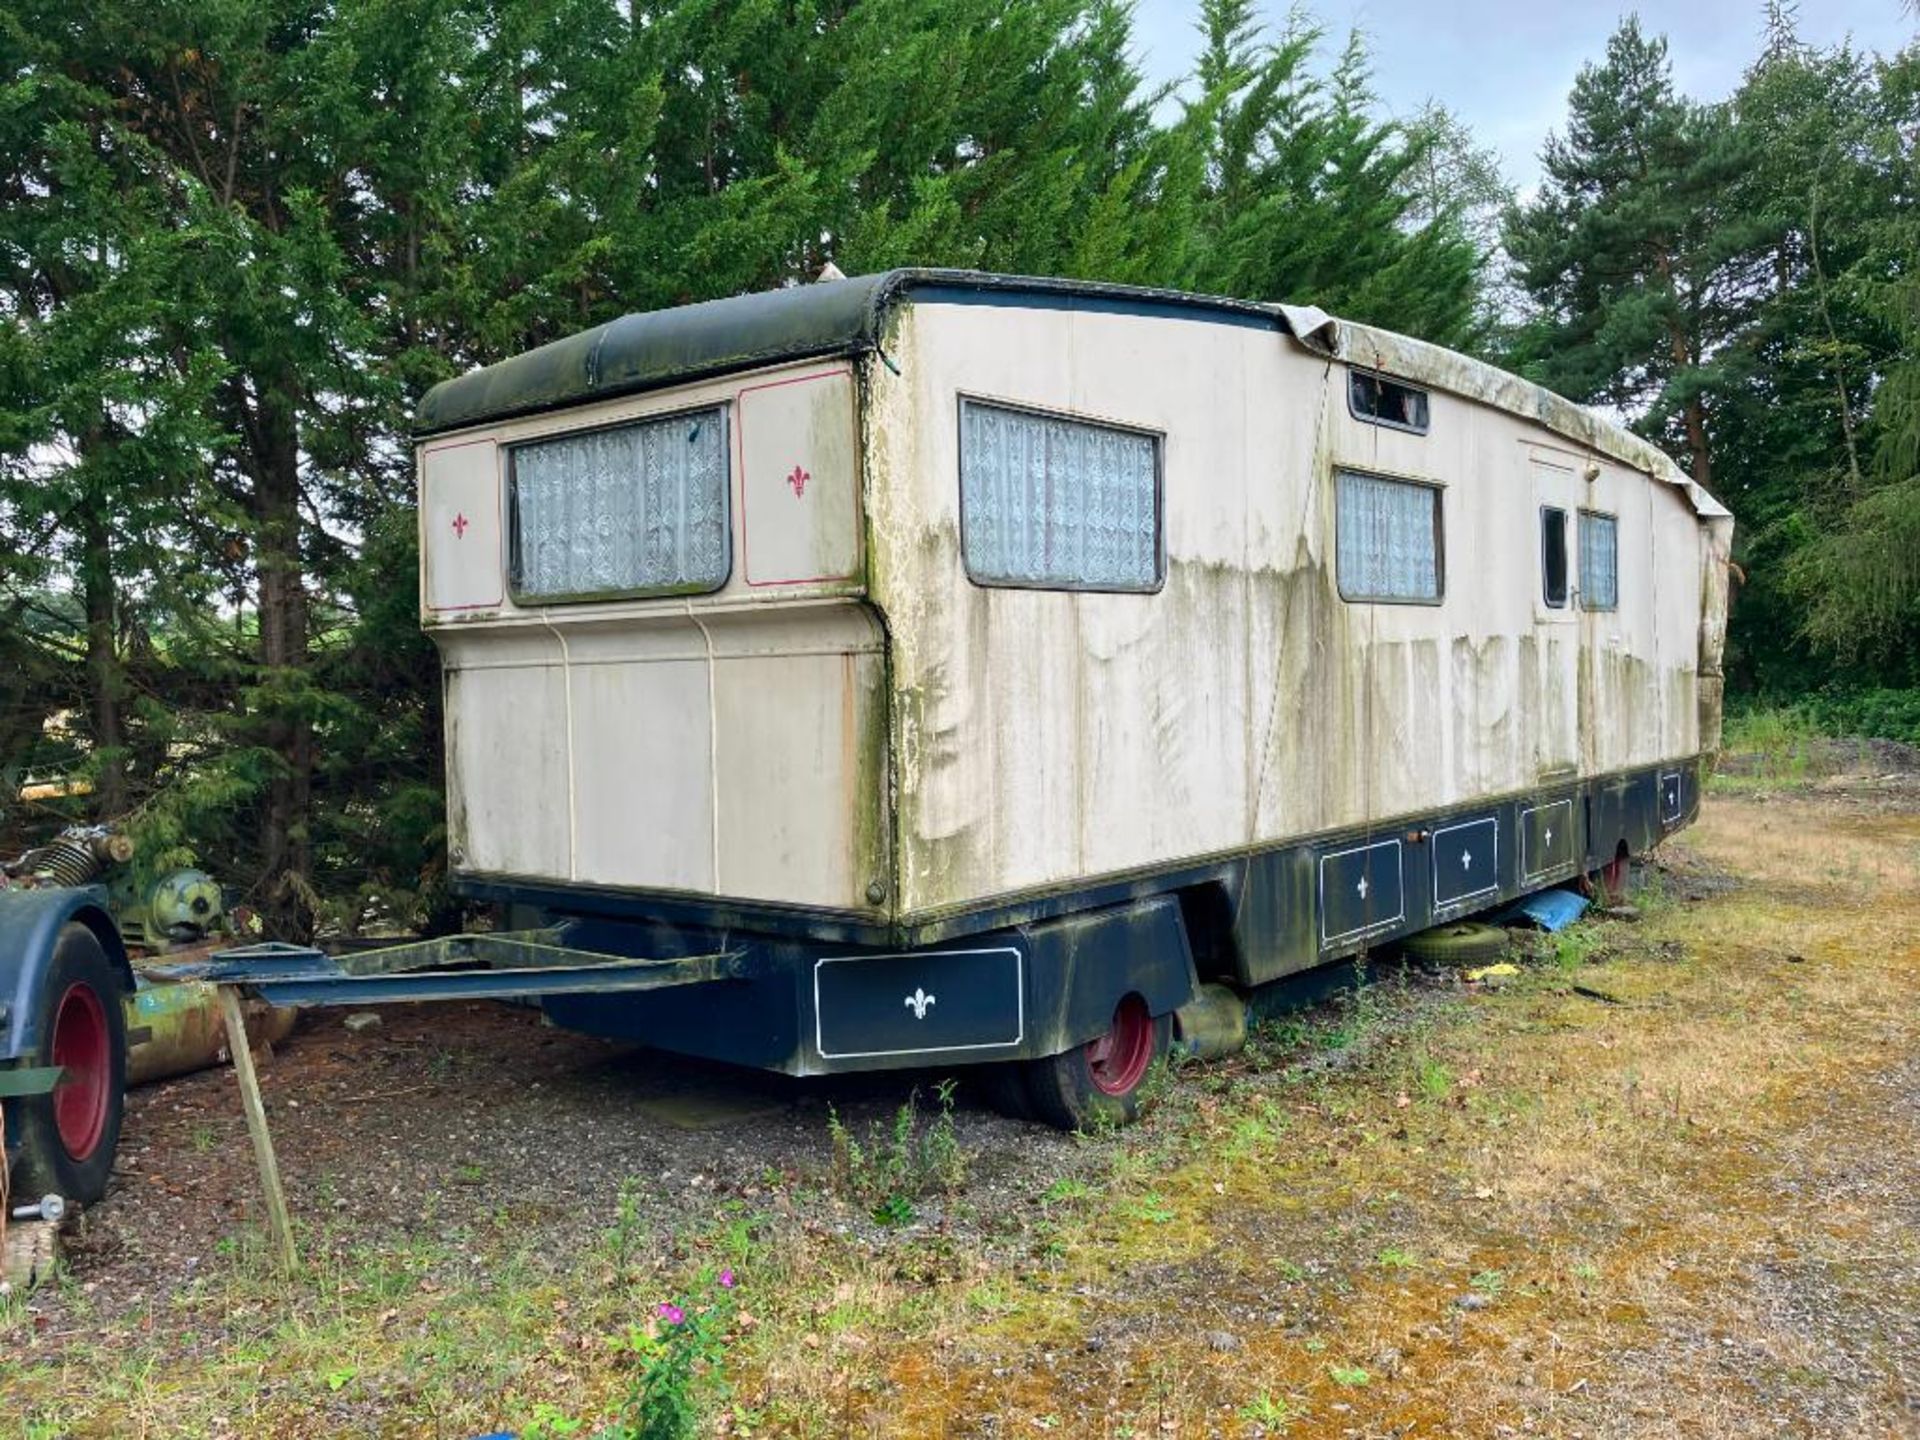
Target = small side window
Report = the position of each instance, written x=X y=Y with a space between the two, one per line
x=1553 y=556
x=1599 y=561
x=1387 y=539
x=1380 y=401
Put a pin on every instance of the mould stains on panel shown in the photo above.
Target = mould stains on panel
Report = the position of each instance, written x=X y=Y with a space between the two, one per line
x=1486 y=727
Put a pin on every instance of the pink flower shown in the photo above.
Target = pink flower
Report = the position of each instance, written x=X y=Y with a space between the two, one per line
x=726 y=1279
x=671 y=1313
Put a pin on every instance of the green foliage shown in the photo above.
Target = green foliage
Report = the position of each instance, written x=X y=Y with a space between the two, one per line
x=890 y=1167
x=242 y=237
x=1743 y=280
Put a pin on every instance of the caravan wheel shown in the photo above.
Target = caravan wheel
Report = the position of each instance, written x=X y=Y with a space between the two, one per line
x=67 y=1138
x=1611 y=879
x=1099 y=1083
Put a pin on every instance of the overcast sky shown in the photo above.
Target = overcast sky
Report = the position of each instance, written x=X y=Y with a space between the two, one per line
x=1505 y=66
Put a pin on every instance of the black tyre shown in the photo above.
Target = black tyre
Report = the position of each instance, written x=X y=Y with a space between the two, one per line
x=1462 y=943
x=1004 y=1087
x=1099 y=1083
x=67 y=1138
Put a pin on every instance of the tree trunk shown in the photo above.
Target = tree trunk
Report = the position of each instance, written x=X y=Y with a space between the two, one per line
x=105 y=684
x=286 y=844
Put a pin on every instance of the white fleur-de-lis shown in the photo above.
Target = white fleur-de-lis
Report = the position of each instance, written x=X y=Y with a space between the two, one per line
x=1549 y=835
x=1466 y=860
x=918 y=1003
x=1362 y=887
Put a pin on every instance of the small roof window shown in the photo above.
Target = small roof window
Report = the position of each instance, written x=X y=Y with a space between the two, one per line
x=1380 y=401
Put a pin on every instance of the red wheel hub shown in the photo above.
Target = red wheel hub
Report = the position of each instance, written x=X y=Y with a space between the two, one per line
x=80 y=1048
x=1613 y=878
x=1118 y=1060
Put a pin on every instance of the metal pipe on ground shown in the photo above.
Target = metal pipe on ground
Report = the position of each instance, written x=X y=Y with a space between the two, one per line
x=179 y=1028
x=1212 y=1025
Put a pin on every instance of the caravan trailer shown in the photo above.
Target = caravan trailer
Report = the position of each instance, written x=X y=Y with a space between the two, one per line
x=983 y=667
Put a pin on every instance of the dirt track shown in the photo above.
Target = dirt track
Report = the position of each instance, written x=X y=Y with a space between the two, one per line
x=1666 y=1182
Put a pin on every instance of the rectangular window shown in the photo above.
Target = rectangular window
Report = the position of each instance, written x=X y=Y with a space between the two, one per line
x=1553 y=556
x=636 y=509
x=1387 y=534
x=1599 y=561
x=1380 y=401
x=1058 y=504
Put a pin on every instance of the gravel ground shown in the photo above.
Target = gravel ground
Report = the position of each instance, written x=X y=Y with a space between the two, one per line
x=1683 y=1252
x=441 y=1112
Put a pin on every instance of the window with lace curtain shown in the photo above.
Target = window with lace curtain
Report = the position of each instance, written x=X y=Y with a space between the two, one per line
x=637 y=509
x=1599 y=561
x=1055 y=503
x=1387 y=539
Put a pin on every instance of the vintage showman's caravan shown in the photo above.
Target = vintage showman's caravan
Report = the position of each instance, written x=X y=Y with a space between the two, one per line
x=967 y=670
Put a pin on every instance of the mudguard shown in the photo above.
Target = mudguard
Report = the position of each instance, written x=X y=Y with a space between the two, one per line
x=1081 y=966
x=30 y=922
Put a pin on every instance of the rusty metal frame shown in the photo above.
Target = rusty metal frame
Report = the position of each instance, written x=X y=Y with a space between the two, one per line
x=512 y=965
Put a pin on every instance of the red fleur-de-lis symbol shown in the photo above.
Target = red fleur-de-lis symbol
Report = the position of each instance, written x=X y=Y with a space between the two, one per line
x=798 y=480
x=460 y=523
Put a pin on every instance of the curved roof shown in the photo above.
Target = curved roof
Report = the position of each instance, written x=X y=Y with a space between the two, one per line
x=653 y=350
x=661 y=348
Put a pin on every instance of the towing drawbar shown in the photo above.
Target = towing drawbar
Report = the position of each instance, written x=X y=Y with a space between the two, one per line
x=511 y=965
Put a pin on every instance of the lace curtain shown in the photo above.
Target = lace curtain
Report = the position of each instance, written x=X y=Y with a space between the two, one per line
x=1388 y=538
x=636 y=508
x=1058 y=503
x=1599 y=561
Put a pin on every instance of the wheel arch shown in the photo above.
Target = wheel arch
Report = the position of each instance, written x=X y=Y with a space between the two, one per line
x=30 y=926
x=1083 y=965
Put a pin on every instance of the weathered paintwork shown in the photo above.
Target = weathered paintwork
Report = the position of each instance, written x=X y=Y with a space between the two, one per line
x=852 y=752
x=176 y=1028
x=1042 y=738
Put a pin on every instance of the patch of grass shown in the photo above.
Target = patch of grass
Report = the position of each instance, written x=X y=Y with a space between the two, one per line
x=1351 y=1376
x=891 y=1167
x=1274 y=1412
x=1433 y=1080
x=1064 y=1190
x=1766 y=749
x=1395 y=1258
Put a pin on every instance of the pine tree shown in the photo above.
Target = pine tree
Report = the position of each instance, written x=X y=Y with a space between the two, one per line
x=1637 y=265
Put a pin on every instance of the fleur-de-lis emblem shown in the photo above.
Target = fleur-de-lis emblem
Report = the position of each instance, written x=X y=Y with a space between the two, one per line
x=460 y=523
x=798 y=480
x=918 y=1003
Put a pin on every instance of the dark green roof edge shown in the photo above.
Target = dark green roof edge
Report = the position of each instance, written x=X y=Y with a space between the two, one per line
x=659 y=348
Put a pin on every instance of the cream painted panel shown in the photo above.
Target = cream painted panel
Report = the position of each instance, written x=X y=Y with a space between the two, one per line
x=799 y=513
x=508 y=792
x=1046 y=735
x=463 y=568
x=642 y=754
x=799 y=778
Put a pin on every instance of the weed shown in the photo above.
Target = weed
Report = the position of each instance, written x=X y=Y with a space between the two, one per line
x=1433 y=1079
x=550 y=1422
x=1489 y=1282
x=679 y=1370
x=1393 y=1258
x=1268 y=1411
x=1064 y=1189
x=889 y=1169
x=1352 y=1376
x=1152 y=1208
x=202 y=1139
x=1774 y=748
